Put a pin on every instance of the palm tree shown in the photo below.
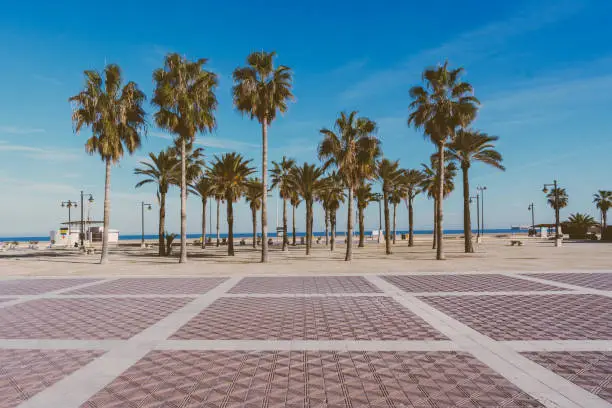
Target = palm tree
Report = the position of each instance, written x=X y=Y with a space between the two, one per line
x=308 y=182
x=162 y=170
x=430 y=185
x=116 y=119
x=253 y=195
x=395 y=198
x=352 y=149
x=331 y=196
x=411 y=181
x=557 y=199
x=185 y=97
x=364 y=196
x=281 y=173
x=204 y=188
x=472 y=146
x=260 y=90
x=581 y=223
x=603 y=202
x=443 y=105
x=295 y=202
x=388 y=174
x=230 y=174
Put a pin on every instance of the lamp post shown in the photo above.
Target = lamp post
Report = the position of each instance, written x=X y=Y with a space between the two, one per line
x=378 y=197
x=482 y=190
x=82 y=234
x=69 y=204
x=558 y=240
x=477 y=197
x=531 y=208
x=142 y=208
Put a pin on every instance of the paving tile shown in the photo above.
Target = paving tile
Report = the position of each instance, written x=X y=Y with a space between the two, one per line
x=24 y=373
x=84 y=319
x=532 y=317
x=601 y=281
x=151 y=286
x=309 y=379
x=305 y=284
x=38 y=286
x=591 y=370
x=326 y=318
x=464 y=283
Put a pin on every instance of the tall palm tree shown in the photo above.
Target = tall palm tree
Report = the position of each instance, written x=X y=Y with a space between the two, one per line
x=162 y=170
x=411 y=181
x=472 y=146
x=230 y=174
x=295 y=202
x=394 y=199
x=557 y=199
x=364 y=196
x=253 y=195
x=430 y=185
x=115 y=116
x=603 y=202
x=260 y=91
x=204 y=188
x=331 y=196
x=352 y=149
x=185 y=97
x=281 y=173
x=308 y=181
x=388 y=174
x=444 y=104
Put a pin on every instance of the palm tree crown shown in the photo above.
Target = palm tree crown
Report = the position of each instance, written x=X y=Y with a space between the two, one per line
x=281 y=173
x=561 y=198
x=470 y=146
x=603 y=202
x=161 y=169
x=229 y=173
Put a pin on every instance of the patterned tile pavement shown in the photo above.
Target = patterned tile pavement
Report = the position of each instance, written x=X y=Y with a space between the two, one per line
x=21 y=287
x=108 y=318
x=304 y=284
x=151 y=286
x=330 y=318
x=532 y=317
x=464 y=283
x=601 y=281
x=24 y=373
x=309 y=379
x=591 y=370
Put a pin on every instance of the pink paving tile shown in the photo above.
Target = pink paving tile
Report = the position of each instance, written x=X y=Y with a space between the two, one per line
x=531 y=317
x=325 y=318
x=602 y=281
x=24 y=373
x=37 y=286
x=305 y=284
x=464 y=283
x=83 y=319
x=591 y=370
x=271 y=379
x=151 y=286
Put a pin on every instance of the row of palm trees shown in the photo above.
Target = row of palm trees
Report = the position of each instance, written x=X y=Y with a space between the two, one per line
x=558 y=199
x=185 y=102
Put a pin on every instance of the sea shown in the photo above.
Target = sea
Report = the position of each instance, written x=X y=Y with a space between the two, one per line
x=272 y=234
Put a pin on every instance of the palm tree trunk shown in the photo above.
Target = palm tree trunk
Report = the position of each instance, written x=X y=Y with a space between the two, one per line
x=264 y=183
x=311 y=235
x=294 y=243
x=394 y=222
x=387 y=226
x=254 y=217
x=326 y=225
x=467 y=222
x=204 y=201
x=361 y=226
x=104 y=256
x=435 y=225
x=308 y=211
x=332 y=222
x=349 y=226
x=183 y=256
x=440 y=212
x=218 y=217
x=162 y=224
x=410 y=222
x=285 y=229
x=230 y=227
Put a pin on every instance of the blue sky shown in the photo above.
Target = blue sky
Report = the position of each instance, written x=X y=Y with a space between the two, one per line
x=542 y=70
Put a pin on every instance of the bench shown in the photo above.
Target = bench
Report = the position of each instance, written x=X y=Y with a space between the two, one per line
x=514 y=242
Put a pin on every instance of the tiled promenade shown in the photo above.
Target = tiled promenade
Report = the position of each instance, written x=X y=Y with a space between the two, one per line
x=436 y=340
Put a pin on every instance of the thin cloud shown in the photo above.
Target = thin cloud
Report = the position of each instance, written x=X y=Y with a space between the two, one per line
x=213 y=142
x=48 y=80
x=17 y=130
x=44 y=154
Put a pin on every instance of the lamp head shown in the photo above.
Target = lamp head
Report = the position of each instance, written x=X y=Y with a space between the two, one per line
x=91 y=200
x=63 y=205
x=149 y=207
x=74 y=204
x=545 y=190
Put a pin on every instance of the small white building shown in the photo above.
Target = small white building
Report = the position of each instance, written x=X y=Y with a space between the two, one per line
x=68 y=235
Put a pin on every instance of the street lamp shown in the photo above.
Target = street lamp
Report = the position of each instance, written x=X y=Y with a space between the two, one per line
x=142 y=207
x=69 y=204
x=531 y=208
x=477 y=197
x=90 y=200
x=379 y=197
x=482 y=190
x=557 y=223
